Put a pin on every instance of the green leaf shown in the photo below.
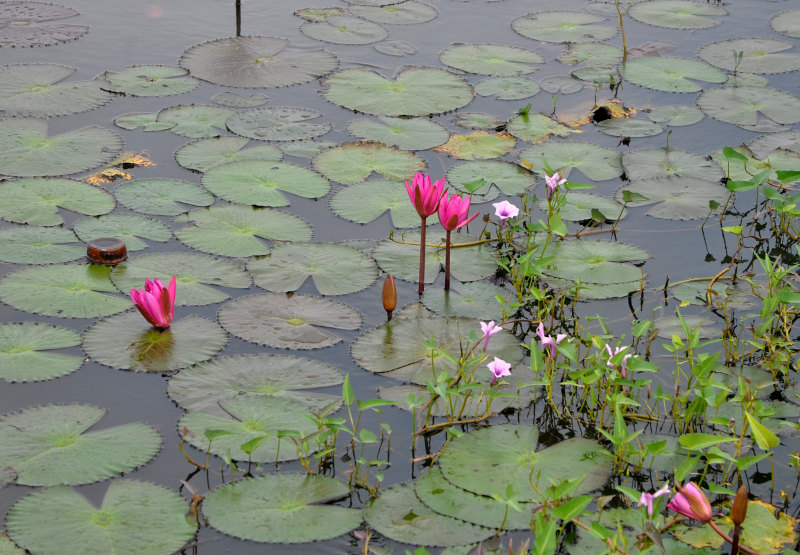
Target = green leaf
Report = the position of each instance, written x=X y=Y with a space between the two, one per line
x=741 y=105
x=676 y=197
x=22 y=352
x=279 y=123
x=676 y=115
x=344 y=29
x=203 y=154
x=161 y=197
x=468 y=300
x=787 y=23
x=403 y=12
x=233 y=100
x=36 y=200
x=125 y=227
x=38 y=245
x=491 y=59
x=625 y=127
x=593 y=261
x=662 y=162
x=404 y=133
x=677 y=14
x=581 y=206
x=369 y=200
x=765 y=439
x=595 y=162
x=498 y=177
x=670 y=74
x=759 y=55
x=563 y=26
x=478 y=145
x=352 y=163
x=507 y=88
x=146 y=120
x=536 y=128
x=700 y=441
x=195 y=120
x=37 y=24
x=150 y=80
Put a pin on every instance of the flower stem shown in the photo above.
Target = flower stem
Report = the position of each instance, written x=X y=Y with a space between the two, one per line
x=727 y=538
x=447 y=263
x=421 y=287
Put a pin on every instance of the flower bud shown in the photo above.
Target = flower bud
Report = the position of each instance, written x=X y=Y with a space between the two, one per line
x=389 y=296
x=739 y=511
x=692 y=502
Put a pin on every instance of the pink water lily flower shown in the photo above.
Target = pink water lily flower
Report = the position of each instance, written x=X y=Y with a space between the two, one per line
x=548 y=342
x=156 y=302
x=623 y=365
x=692 y=502
x=424 y=196
x=646 y=500
x=505 y=210
x=499 y=368
x=488 y=331
x=453 y=212
x=553 y=182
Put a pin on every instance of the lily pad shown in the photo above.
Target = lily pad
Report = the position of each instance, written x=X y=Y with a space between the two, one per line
x=36 y=200
x=7 y=547
x=787 y=23
x=581 y=206
x=467 y=300
x=256 y=62
x=38 y=245
x=149 y=81
x=146 y=120
x=677 y=14
x=486 y=461
x=126 y=341
x=24 y=356
x=759 y=55
x=198 y=276
x=662 y=162
x=279 y=123
x=663 y=73
x=721 y=294
x=307 y=148
x=397 y=513
x=368 y=201
x=676 y=115
x=68 y=291
x=238 y=230
x=625 y=127
x=260 y=183
x=764 y=145
x=500 y=177
x=377 y=3
x=477 y=120
x=668 y=326
x=507 y=88
x=536 y=128
x=593 y=261
x=596 y=290
x=26 y=150
x=318 y=14
x=35 y=90
x=397 y=13
x=47 y=446
x=741 y=105
x=335 y=269
x=404 y=133
x=677 y=197
x=288 y=322
x=478 y=145
x=395 y=47
x=286 y=508
x=354 y=162
x=197 y=121
x=563 y=26
x=594 y=161
x=491 y=59
x=233 y=100
x=203 y=154
x=344 y=29
x=592 y=54
x=29 y=24
x=126 y=227
x=161 y=197
x=562 y=84
x=134 y=516
x=741 y=170
x=204 y=385
x=417 y=91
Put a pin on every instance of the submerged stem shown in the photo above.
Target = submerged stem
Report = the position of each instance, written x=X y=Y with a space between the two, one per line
x=421 y=287
x=447 y=263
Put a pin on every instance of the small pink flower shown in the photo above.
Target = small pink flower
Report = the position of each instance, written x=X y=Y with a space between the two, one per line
x=424 y=196
x=499 y=368
x=453 y=212
x=156 y=302
x=489 y=330
x=505 y=210
x=692 y=502
x=548 y=342
x=647 y=499
x=552 y=183
x=623 y=365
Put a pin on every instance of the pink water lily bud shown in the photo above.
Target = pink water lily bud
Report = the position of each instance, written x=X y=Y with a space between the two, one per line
x=489 y=330
x=505 y=210
x=553 y=182
x=424 y=196
x=156 y=302
x=453 y=212
x=692 y=502
x=499 y=368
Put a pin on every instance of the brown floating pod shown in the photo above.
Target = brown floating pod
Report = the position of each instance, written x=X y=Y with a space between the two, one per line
x=106 y=251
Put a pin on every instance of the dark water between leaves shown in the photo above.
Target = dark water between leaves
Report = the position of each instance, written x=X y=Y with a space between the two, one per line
x=134 y=33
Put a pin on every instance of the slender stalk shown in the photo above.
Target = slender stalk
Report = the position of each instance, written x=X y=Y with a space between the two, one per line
x=421 y=287
x=727 y=538
x=447 y=263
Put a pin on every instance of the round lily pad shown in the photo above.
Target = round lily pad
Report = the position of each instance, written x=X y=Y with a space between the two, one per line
x=36 y=200
x=563 y=26
x=33 y=24
x=278 y=123
x=397 y=13
x=146 y=120
x=367 y=201
x=47 y=446
x=238 y=230
x=477 y=120
x=662 y=162
x=334 y=269
x=491 y=59
x=133 y=517
x=592 y=54
x=126 y=227
x=35 y=90
x=65 y=290
x=344 y=29
x=486 y=461
x=668 y=326
x=233 y=100
x=764 y=145
x=261 y=183
x=594 y=161
x=787 y=23
x=499 y=177
x=196 y=120
x=670 y=74
x=288 y=322
x=304 y=148
x=593 y=261
x=161 y=197
x=198 y=276
x=39 y=245
x=596 y=290
x=404 y=133
x=354 y=162
x=677 y=197
x=202 y=386
x=561 y=84
x=536 y=128
x=126 y=341
x=23 y=356
x=314 y=14
x=676 y=115
x=677 y=14
x=256 y=62
x=759 y=55
x=741 y=105
x=582 y=206
x=468 y=300
x=149 y=81
x=7 y=547
x=507 y=88
x=286 y=508
x=395 y=47
x=397 y=513
x=417 y=91
x=377 y=3
x=203 y=154
x=624 y=127
x=478 y=145
x=26 y=150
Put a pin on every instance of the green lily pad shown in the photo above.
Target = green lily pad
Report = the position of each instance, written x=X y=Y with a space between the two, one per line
x=404 y=133
x=354 y=162
x=286 y=508
x=335 y=269
x=761 y=381
x=580 y=206
x=22 y=352
x=26 y=150
x=777 y=160
x=563 y=26
x=668 y=326
x=741 y=105
x=126 y=341
x=670 y=74
x=238 y=230
x=38 y=245
x=133 y=517
x=746 y=80
x=288 y=322
x=68 y=291
x=597 y=290
x=126 y=227
x=245 y=419
x=318 y=14
x=592 y=54
x=594 y=161
x=32 y=24
x=677 y=197
x=397 y=348
x=278 y=123
x=561 y=84
x=7 y=547
x=478 y=145
x=198 y=276
x=307 y=148
x=677 y=14
x=197 y=121
x=787 y=23
x=146 y=120
x=233 y=100
x=397 y=513
x=368 y=201
x=759 y=55
x=395 y=47
x=260 y=183
x=500 y=177
x=676 y=115
x=477 y=120
x=507 y=88
x=203 y=154
x=536 y=128
x=256 y=62
x=467 y=300
x=491 y=59
x=625 y=127
x=764 y=145
x=204 y=385
x=344 y=29
x=593 y=261
x=36 y=200
x=664 y=459
x=662 y=162
x=47 y=446
x=161 y=197
x=398 y=13
x=480 y=400
x=417 y=91
x=34 y=90
x=149 y=81
x=377 y=3
x=401 y=259
x=486 y=461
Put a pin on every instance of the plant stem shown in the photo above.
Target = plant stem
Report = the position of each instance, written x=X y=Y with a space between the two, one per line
x=447 y=263
x=421 y=287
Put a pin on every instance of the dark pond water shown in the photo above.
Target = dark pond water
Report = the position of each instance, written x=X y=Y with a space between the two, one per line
x=127 y=33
